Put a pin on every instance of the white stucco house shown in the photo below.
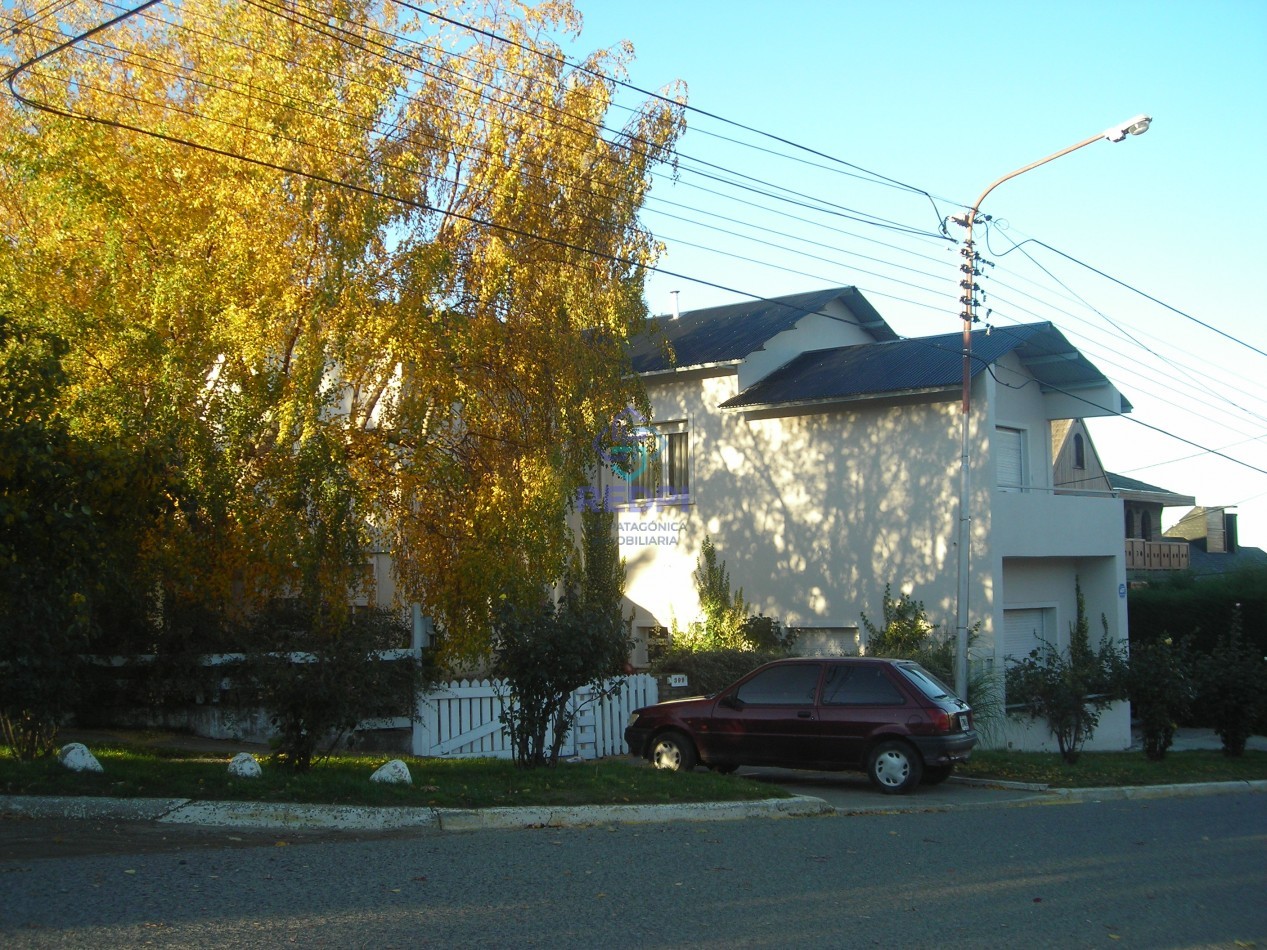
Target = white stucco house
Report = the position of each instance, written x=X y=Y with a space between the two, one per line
x=821 y=453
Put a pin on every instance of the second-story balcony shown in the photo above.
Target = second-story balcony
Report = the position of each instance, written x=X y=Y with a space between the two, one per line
x=1144 y=555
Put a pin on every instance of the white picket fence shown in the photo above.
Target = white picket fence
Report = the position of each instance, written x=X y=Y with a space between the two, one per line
x=458 y=719
x=463 y=719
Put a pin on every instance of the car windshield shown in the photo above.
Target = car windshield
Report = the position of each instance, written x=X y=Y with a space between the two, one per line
x=926 y=682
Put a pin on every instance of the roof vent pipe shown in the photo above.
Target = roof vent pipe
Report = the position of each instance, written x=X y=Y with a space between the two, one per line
x=676 y=311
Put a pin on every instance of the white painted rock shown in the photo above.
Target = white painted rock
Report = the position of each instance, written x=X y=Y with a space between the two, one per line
x=244 y=765
x=76 y=757
x=394 y=772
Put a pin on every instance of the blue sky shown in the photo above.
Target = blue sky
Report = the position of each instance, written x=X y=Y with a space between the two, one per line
x=946 y=98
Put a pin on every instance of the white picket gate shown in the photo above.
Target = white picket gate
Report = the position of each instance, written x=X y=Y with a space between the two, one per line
x=463 y=719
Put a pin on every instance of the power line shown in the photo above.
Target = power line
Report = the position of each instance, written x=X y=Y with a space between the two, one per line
x=379 y=193
x=1146 y=296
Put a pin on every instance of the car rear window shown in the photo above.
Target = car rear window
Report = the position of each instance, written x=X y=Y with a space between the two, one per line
x=859 y=686
x=926 y=682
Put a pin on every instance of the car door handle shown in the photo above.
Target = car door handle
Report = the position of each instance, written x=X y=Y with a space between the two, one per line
x=804 y=714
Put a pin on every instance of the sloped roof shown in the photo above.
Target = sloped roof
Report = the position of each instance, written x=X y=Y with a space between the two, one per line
x=1136 y=490
x=1134 y=484
x=727 y=334
x=1204 y=564
x=917 y=365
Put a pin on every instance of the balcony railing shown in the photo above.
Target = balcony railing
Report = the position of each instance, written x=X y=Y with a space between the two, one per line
x=1144 y=555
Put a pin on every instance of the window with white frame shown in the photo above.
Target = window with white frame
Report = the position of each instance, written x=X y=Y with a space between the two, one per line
x=655 y=466
x=1009 y=455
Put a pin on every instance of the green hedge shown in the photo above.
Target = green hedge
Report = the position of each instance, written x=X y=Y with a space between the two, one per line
x=1198 y=611
x=712 y=670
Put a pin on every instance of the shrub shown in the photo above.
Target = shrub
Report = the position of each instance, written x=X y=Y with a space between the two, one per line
x=1160 y=686
x=545 y=651
x=726 y=623
x=1069 y=688
x=316 y=688
x=906 y=629
x=723 y=612
x=764 y=633
x=1233 y=688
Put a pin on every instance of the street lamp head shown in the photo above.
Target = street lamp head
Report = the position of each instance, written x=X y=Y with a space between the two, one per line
x=1136 y=126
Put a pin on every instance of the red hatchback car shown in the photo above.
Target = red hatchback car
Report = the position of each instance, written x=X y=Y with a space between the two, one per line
x=890 y=718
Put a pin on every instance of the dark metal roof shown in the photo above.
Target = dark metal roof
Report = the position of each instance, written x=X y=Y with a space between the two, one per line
x=1204 y=564
x=1122 y=483
x=728 y=334
x=919 y=365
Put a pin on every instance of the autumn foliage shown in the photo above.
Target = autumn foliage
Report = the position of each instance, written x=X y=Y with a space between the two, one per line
x=350 y=276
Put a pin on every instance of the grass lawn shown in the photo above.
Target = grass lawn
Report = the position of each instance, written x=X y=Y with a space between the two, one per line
x=344 y=780
x=132 y=771
x=1115 y=769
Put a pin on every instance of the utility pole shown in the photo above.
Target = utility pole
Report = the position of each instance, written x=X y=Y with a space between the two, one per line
x=968 y=298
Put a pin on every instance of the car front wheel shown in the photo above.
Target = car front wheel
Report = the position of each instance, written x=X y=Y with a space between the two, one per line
x=894 y=767
x=673 y=752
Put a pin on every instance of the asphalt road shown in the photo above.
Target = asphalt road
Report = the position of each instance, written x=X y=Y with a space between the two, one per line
x=1182 y=872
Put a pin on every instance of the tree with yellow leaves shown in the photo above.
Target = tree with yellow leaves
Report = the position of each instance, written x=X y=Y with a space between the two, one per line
x=364 y=272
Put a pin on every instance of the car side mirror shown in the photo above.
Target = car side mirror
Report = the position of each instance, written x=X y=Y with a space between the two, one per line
x=731 y=701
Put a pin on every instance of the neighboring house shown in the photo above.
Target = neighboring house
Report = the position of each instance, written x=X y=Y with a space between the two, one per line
x=1076 y=468
x=1204 y=541
x=1210 y=535
x=821 y=453
x=1147 y=551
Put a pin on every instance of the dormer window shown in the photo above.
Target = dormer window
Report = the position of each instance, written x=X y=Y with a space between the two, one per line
x=1079 y=452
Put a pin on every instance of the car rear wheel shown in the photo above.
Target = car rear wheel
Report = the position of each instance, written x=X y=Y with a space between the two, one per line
x=936 y=774
x=673 y=752
x=894 y=767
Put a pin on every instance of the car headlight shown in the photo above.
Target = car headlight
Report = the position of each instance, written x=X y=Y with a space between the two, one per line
x=633 y=717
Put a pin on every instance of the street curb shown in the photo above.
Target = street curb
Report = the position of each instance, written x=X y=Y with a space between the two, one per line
x=352 y=818
x=283 y=816
x=1000 y=783
x=1143 y=792
x=581 y=816
x=127 y=809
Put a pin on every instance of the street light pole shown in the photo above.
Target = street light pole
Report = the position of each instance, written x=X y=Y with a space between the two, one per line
x=1136 y=126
